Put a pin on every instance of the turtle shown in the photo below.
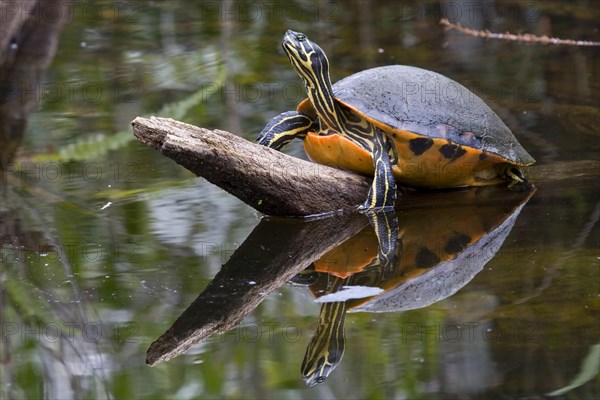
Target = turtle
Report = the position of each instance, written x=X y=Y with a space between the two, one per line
x=396 y=123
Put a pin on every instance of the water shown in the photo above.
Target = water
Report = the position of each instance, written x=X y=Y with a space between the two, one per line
x=106 y=243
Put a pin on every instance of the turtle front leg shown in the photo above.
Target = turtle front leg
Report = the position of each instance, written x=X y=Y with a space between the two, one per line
x=286 y=127
x=382 y=194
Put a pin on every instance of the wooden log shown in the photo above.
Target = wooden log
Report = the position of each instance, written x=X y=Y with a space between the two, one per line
x=280 y=185
x=267 y=180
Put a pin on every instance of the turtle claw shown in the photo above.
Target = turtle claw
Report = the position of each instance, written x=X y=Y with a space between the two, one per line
x=366 y=208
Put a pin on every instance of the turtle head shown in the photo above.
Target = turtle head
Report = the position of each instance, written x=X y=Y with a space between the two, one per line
x=308 y=59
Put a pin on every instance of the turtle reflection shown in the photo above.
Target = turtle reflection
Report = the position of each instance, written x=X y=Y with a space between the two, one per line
x=435 y=253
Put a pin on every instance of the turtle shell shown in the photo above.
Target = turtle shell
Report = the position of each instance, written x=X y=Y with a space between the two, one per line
x=445 y=135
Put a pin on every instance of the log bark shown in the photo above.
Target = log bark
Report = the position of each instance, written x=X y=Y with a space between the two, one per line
x=267 y=180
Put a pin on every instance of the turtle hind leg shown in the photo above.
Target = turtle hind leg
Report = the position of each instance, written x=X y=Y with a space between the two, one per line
x=517 y=180
x=382 y=193
x=286 y=127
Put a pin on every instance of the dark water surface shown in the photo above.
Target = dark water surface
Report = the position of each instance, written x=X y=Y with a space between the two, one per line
x=106 y=243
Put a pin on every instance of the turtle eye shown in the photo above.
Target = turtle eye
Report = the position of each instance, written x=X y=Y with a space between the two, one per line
x=301 y=37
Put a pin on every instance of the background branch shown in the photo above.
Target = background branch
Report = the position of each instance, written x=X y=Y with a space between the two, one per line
x=521 y=37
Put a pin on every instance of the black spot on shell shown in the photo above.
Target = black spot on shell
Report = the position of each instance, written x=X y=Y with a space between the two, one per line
x=483 y=155
x=426 y=258
x=452 y=151
x=420 y=145
x=457 y=244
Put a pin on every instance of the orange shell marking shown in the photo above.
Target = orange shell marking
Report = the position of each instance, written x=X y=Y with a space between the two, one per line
x=431 y=169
